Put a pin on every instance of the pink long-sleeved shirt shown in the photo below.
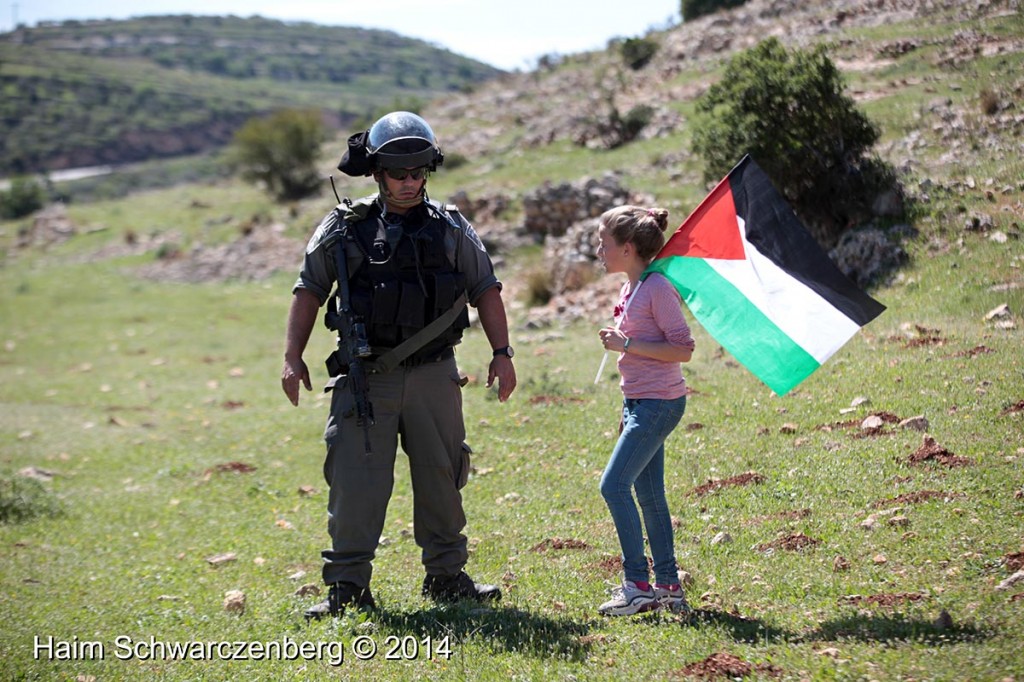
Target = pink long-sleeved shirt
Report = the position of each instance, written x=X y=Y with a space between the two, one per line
x=655 y=315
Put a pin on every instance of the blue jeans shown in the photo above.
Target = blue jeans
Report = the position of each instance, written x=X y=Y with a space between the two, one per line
x=638 y=460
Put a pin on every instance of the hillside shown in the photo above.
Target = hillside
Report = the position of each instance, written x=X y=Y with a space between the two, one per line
x=159 y=493
x=82 y=93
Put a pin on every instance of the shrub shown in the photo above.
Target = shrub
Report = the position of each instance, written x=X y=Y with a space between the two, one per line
x=281 y=152
x=789 y=112
x=989 y=102
x=691 y=9
x=25 y=197
x=636 y=52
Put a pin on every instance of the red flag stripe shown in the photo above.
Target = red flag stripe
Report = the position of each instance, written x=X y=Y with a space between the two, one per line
x=710 y=231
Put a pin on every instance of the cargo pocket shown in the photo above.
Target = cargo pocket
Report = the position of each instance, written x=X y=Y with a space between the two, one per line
x=343 y=406
x=465 y=464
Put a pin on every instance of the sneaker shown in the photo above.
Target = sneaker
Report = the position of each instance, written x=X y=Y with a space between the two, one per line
x=339 y=596
x=628 y=599
x=672 y=598
x=452 y=588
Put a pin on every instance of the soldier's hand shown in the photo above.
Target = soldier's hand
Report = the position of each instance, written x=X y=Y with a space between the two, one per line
x=294 y=372
x=504 y=371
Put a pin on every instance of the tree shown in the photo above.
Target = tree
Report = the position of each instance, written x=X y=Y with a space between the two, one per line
x=788 y=111
x=281 y=152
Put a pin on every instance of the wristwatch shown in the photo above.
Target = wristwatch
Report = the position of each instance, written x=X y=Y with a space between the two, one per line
x=507 y=351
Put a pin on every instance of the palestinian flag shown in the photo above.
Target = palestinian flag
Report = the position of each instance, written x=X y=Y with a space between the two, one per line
x=759 y=283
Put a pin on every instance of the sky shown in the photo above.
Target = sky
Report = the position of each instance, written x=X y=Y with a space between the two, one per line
x=509 y=35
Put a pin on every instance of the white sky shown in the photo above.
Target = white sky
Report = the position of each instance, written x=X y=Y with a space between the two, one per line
x=510 y=34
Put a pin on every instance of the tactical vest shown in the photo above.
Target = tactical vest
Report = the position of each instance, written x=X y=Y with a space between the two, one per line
x=405 y=279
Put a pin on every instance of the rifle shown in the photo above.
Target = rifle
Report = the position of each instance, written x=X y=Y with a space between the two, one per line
x=353 y=347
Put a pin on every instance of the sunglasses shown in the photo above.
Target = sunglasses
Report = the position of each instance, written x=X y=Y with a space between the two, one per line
x=403 y=173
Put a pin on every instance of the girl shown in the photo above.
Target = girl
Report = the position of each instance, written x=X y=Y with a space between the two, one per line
x=653 y=338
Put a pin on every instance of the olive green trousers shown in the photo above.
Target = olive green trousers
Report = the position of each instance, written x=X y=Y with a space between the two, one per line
x=421 y=408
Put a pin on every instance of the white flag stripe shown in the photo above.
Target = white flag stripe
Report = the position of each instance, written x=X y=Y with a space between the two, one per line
x=804 y=316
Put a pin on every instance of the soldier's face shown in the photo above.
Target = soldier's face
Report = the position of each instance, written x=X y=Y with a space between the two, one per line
x=408 y=185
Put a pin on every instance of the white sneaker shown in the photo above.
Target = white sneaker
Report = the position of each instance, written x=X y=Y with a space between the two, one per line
x=674 y=600
x=628 y=599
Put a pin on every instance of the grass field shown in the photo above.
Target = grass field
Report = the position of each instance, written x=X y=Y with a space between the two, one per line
x=150 y=464
x=154 y=414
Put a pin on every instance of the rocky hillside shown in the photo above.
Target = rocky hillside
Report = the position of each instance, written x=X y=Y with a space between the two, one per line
x=943 y=79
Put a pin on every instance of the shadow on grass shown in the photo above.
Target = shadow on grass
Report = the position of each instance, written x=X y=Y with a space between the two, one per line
x=890 y=628
x=509 y=629
x=741 y=629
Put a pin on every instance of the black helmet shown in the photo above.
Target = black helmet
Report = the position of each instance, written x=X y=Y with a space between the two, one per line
x=403 y=140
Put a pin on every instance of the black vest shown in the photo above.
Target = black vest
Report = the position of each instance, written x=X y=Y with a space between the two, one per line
x=405 y=279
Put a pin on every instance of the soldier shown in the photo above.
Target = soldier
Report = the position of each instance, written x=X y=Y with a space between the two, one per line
x=410 y=266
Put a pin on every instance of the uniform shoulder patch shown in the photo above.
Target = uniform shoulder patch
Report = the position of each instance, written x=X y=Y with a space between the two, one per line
x=327 y=232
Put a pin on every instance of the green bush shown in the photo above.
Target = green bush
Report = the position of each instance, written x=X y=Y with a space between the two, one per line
x=636 y=52
x=788 y=111
x=26 y=196
x=691 y=9
x=281 y=152
x=635 y=120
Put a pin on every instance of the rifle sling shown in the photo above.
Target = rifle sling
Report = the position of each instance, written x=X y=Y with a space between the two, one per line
x=394 y=356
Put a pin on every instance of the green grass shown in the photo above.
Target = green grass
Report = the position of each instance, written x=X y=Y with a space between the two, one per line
x=133 y=393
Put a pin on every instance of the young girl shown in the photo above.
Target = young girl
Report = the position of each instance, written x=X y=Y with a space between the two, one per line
x=653 y=338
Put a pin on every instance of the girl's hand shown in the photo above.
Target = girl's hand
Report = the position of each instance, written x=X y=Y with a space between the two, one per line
x=613 y=339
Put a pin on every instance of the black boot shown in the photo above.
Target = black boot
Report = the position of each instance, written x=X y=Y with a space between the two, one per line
x=339 y=596
x=452 y=588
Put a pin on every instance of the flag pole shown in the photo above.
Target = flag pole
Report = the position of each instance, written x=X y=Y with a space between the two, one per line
x=600 y=370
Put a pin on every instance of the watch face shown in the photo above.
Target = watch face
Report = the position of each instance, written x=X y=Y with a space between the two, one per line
x=509 y=352
x=506 y=351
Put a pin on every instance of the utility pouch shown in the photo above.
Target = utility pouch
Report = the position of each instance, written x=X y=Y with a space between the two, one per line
x=386 y=297
x=411 y=307
x=444 y=292
x=335 y=365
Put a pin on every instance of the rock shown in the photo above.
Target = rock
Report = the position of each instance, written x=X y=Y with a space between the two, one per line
x=721 y=539
x=864 y=254
x=234 y=601
x=918 y=423
x=1001 y=312
x=979 y=222
x=308 y=590
x=1011 y=581
x=218 y=559
x=872 y=422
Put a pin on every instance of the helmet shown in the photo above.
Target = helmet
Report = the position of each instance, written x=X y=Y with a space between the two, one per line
x=403 y=140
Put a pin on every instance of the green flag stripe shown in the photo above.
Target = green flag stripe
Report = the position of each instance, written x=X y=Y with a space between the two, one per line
x=743 y=330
